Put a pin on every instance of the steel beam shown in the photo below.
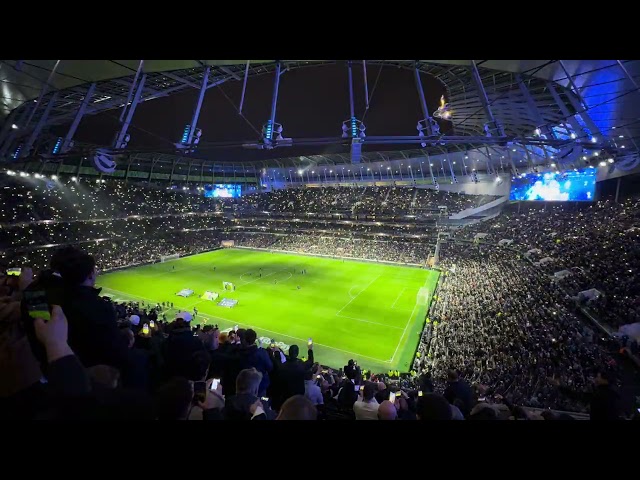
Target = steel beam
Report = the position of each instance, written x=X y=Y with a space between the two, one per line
x=8 y=126
x=423 y=102
x=484 y=99
x=132 y=108
x=182 y=80
x=533 y=108
x=196 y=110
x=43 y=91
x=133 y=85
x=244 y=86
x=76 y=120
x=573 y=85
x=274 y=98
x=41 y=122
x=366 y=86
x=351 y=103
x=229 y=72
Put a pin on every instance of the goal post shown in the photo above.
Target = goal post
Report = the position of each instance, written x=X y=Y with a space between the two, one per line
x=423 y=296
x=166 y=258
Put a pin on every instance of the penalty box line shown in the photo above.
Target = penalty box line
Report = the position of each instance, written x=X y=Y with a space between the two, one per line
x=134 y=297
x=409 y=322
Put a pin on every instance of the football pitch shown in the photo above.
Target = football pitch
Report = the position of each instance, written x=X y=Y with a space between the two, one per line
x=351 y=309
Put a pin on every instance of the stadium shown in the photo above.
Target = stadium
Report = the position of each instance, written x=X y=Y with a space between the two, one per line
x=320 y=239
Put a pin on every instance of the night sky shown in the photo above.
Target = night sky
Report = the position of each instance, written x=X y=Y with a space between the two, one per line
x=312 y=102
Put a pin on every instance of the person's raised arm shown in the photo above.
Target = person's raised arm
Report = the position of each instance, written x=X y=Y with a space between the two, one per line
x=66 y=375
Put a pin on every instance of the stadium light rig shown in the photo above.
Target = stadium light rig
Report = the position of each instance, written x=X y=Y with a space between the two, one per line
x=16 y=153
x=57 y=146
x=184 y=146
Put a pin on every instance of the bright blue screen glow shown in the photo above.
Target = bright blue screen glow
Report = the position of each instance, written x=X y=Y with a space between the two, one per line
x=571 y=186
x=228 y=190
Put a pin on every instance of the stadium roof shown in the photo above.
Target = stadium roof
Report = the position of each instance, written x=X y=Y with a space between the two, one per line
x=605 y=90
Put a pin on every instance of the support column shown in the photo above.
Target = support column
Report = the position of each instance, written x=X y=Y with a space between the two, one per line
x=540 y=123
x=423 y=102
x=133 y=85
x=8 y=125
x=366 y=87
x=38 y=128
x=274 y=101
x=43 y=92
x=453 y=175
x=433 y=179
x=618 y=188
x=76 y=121
x=20 y=122
x=132 y=108
x=352 y=113
x=244 y=86
x=196 y=110
x=484 y=100
x=582 y=112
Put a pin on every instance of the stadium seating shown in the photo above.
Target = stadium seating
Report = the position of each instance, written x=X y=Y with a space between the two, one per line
x=513 y=336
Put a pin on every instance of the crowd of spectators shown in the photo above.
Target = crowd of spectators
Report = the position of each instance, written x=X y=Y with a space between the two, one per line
x=596 y=242
x=512 y=335
x=94 y=358
x=372 y=200
x=416 y=252
x=504 y=324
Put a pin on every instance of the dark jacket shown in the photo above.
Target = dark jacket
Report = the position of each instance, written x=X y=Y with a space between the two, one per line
x=93 y=332
x=460 y=390
x=178 y=351
x=236 y=407
x=289 y=378
x=258 y=358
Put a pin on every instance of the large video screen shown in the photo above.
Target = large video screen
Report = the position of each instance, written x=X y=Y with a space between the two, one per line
x=573 y=186
x=228 y=190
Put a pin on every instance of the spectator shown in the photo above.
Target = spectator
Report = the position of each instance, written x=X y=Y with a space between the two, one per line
x=458 y=389
x=174 y=399
x=387 y=411
x=298 y=407
x=180 y=346
x=311 y=390
x=432 y=406
x=366 y=407
x=238 y=406
x=290 y=375
x=258 y=358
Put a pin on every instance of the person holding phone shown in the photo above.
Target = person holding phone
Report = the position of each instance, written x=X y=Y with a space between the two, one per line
x=20 y=374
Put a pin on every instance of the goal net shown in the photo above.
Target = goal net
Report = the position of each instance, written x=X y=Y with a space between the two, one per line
x=165 y=258
x=423 y=296
x=227 y=243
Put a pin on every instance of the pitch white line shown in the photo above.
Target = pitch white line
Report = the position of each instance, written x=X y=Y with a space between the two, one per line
x=368 y=321
x=398 y=297
x=403 y=333
x=407 y=325
x=130 y=295
x=352 y=289
x=368 y=285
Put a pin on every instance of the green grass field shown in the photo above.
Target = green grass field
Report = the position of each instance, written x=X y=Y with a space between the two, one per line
x=351 y=309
